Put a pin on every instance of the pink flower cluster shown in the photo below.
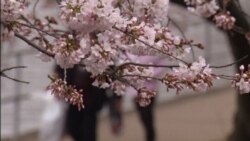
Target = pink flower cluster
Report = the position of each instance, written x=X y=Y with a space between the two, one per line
x=11 y=9
x=224 y=20
x=94 y=23
x=242 y=80
x=197 y=76
x=210 y=8
x=152 y=39
x=154 y=11
x=205 y=8
x=67 y=52
x=145 y=96
x=104 y=35
x=87 y=16
x=61 y=90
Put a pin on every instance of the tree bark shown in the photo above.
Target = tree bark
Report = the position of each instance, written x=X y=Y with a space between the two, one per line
x=240 y=47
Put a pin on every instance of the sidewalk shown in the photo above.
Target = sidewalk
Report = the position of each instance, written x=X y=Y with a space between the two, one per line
x=204 y=117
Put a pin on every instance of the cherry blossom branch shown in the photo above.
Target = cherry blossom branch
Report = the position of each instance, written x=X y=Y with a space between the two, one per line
x=38 y=29
x=30 y=42
x=14 y=79
x=152 y=47
x=226 y=77
x=31 y=25
x=146 y=65
x=127 y=82
x=141 y=76
x=97 y=45
x=228 y=65
x=183 y=35
x=25 y=19
x=174 y=66
x=2 y=73
x=11 y=68
x=34 y=45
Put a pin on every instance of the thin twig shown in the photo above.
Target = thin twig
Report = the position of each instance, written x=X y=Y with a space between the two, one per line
x=14 y=79
x=228 y=65
x=130 y=6
x=34 y=7
x=25 y=19
x=226 y=77
x=30 y=43
x=38 y=29
x=146 y=65
x=34 y=45
x=141 y=76
x=31 y=25
x=183 y=35
x=239 y=30
x=149 y=45
x=128 y=83
x=11 y=68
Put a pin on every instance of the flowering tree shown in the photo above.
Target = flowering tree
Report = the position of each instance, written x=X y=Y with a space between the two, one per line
x=239 y=41
x=109 y=37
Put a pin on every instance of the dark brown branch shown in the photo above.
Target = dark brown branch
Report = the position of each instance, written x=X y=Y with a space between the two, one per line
x=228 y=65
x=2 y=73
x=30 y=42
x=141 y=76
x=34 y=7
x=147 y=65
x=143 y=65
x=126 y=82
x=183 y=34
x=14 y=79
x=11 y=68
x=226 y=77
x=34 y=45
x=152 y=47
x=38 y=29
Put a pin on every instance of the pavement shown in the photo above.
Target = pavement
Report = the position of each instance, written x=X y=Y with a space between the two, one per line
x=199 y=117
x=205 y=117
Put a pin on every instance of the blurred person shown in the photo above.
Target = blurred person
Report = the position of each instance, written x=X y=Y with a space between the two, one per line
x=81 y=125
x=146 y=115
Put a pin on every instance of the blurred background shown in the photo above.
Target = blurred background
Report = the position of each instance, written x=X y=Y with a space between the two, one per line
x=185 y=117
